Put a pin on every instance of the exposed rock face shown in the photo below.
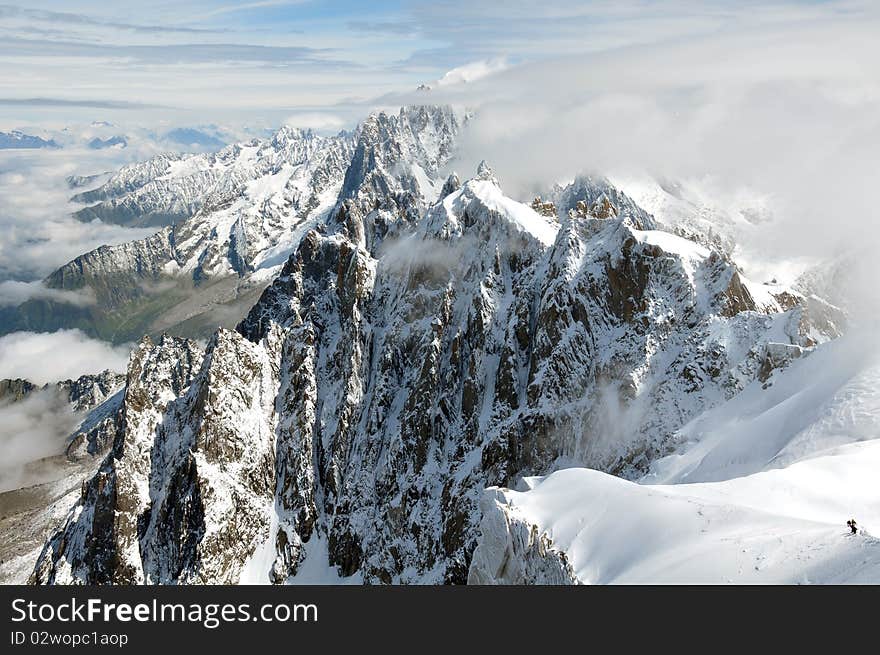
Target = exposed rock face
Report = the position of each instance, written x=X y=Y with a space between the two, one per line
x=117 y=273
x=778 y=355
x=405 y=359
x=97 y=432
x=99 y=541
x=100 y=396
x=14 y=390
x=514 y=552
x=397 y=154
x=547 y=209
x=89 y=391
x=589 y=197
x=451 y=185
x=231 y=220
x=83 y=394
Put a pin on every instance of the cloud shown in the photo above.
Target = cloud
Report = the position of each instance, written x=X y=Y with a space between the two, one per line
x=319 y=121
x=14 y=292
x=473 y=71
x=383 y=27
x=38 y=232
x=430 y=257
x=766 y=108
x=179 y=53
x=260 y=4
x=43 y=357
x=61 y=102
x=237 y=60
x=462 y=30
x=276 y=55
x=31 y=429
x=66 y=18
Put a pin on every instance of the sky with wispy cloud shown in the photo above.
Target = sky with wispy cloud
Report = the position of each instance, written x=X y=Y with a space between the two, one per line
x=263 y=59
x=776 y=99
x=227 y=59
x=743 y=89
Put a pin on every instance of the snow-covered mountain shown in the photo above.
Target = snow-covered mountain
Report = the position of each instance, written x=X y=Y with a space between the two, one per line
x=423 y=341
x=235 y=217
x=758 y=492
x=170 y=188
x=116 y=141
x=64 y=430
x=84 y=393
x=395 y=341
x=17 y=140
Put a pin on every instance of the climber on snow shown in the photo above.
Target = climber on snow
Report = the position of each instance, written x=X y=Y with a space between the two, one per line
x=852 y=526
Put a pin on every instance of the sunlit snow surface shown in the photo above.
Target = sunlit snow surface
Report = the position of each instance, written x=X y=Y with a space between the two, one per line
x=760 y=492
x=313 y=571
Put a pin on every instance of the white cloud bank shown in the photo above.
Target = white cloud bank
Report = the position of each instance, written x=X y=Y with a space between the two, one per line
x=318 y=121
x=781 y=105
x=32 y=429
x=473 y=71
x=39 y=234
x=14 y=292
x=44 y=357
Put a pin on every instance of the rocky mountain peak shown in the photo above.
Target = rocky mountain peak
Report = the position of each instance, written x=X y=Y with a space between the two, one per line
x=416 y=341
x=399 y=365
x=485 y=172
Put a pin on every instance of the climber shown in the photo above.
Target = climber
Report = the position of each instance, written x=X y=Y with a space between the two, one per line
x=852 y=526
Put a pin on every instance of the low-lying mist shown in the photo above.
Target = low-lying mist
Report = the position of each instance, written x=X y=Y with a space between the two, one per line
x=31 y=429
x=782 y=106
x=47 y=357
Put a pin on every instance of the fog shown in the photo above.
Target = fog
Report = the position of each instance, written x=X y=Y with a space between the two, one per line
x=31 y=429
x=14 y=292
x=39 y=233
x=43 y=357
x=783 y=106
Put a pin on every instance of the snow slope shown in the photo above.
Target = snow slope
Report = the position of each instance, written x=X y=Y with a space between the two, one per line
x=758 y=492
x=399 y=364
x=423 y=341
x=823 y=401
x=773 y=527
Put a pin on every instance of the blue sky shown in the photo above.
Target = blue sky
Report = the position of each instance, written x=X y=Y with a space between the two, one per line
x=748 y=100
x=683 y=87
x=218 y=59
x=252 y=60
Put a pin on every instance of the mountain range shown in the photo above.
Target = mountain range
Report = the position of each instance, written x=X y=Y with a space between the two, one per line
x=395 y=340
x=17 y=140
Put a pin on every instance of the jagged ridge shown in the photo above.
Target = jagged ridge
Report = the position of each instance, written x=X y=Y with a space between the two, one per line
x=401 y=362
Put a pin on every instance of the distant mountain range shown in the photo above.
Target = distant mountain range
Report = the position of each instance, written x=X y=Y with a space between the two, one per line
x=393 y=341
x=110 y=142
x=16 y=140
x=188 y=139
